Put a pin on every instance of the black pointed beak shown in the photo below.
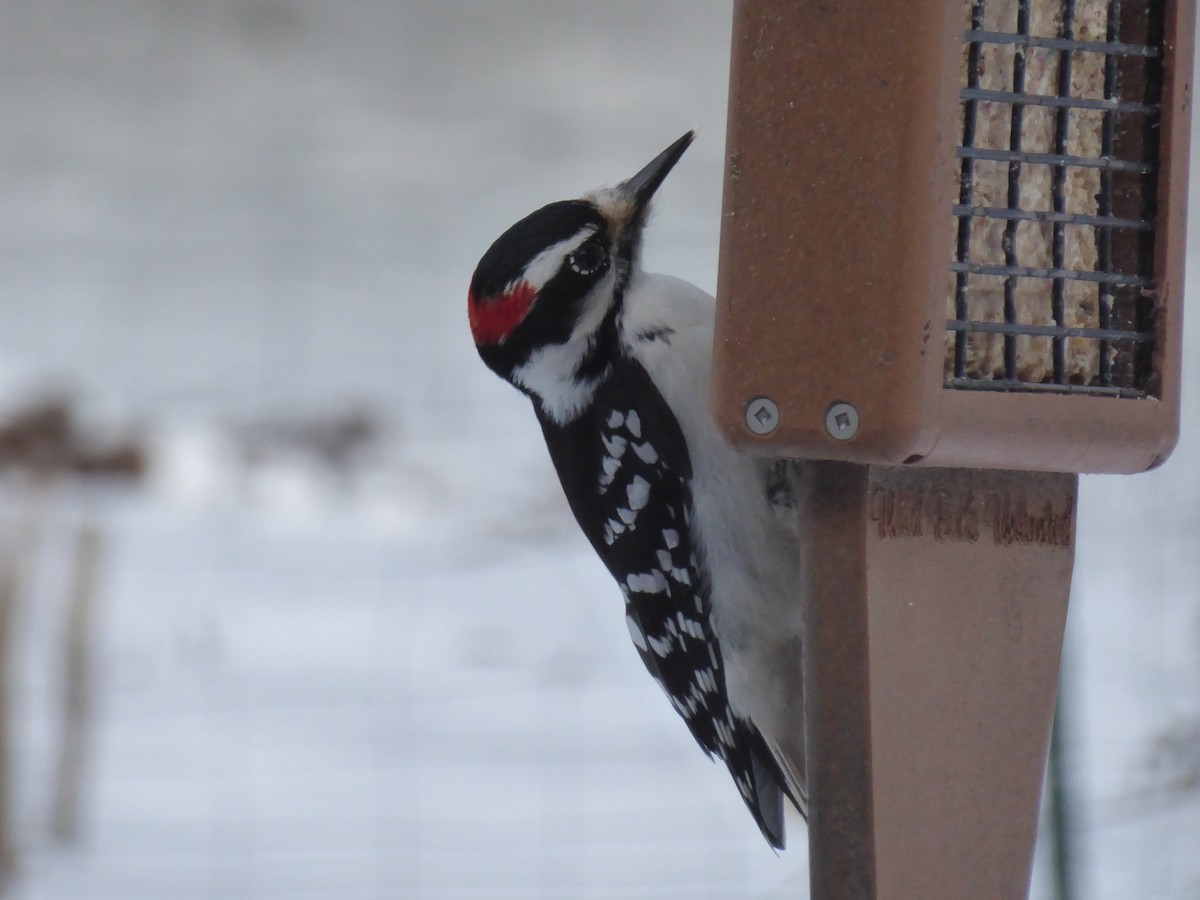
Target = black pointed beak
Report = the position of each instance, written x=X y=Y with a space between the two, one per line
x=641 y=187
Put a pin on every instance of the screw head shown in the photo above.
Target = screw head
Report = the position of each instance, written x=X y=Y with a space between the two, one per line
x=841 y=421
x=762 y=415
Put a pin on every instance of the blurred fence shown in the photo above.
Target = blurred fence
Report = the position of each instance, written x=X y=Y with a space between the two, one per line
x=339 y=638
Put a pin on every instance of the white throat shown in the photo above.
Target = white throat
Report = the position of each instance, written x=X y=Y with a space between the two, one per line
x=550 y=375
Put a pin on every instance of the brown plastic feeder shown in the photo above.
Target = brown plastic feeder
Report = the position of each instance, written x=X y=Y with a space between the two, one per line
x=953 y=237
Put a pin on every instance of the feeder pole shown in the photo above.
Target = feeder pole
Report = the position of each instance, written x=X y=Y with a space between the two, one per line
x=951 y=279
x=936 y=604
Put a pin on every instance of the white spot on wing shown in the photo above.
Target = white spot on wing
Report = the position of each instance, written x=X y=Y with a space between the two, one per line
x=615 y=445
x=610 y=467
x=646 y=453
x=653 y=582
x=671 y=536
x=635 y=632
x=638 y=492
x=633 y=423
x=689 y=626
x=660 y=646
x=615 y=419
x=627 y=515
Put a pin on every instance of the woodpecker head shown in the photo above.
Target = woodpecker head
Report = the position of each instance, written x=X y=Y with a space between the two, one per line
x=545 y=297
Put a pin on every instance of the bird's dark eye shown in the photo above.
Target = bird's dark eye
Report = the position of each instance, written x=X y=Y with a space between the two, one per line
x=588 y=259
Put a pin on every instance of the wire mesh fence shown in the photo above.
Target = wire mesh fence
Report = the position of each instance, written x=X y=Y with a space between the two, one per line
x=344 y=641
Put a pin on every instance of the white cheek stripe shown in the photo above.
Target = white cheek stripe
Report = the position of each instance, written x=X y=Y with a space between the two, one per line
x=595 y=307
x=546 y=264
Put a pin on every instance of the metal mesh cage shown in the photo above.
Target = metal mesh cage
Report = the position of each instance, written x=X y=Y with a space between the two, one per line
x=1052 y=279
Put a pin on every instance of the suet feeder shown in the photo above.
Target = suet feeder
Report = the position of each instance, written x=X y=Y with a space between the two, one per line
x=951 y=273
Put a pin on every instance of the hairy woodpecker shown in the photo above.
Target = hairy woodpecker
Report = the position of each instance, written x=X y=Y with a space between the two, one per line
x=616 y=362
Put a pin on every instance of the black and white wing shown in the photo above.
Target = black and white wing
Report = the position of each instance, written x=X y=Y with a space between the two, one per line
x=625 y=469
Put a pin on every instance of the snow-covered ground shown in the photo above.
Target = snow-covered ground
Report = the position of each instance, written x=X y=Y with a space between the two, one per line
x=412 y=679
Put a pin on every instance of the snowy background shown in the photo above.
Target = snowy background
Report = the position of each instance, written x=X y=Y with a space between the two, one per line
x=345 y=641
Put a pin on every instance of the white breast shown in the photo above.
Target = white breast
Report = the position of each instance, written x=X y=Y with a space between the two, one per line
x=748 y=548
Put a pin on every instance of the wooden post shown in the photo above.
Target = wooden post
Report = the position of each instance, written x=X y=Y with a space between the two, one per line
x=952 y=236
x=78 y=638
x=8 y=604
x=937 y=601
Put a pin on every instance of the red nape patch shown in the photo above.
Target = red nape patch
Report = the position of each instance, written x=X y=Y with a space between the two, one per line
x=494 y=318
